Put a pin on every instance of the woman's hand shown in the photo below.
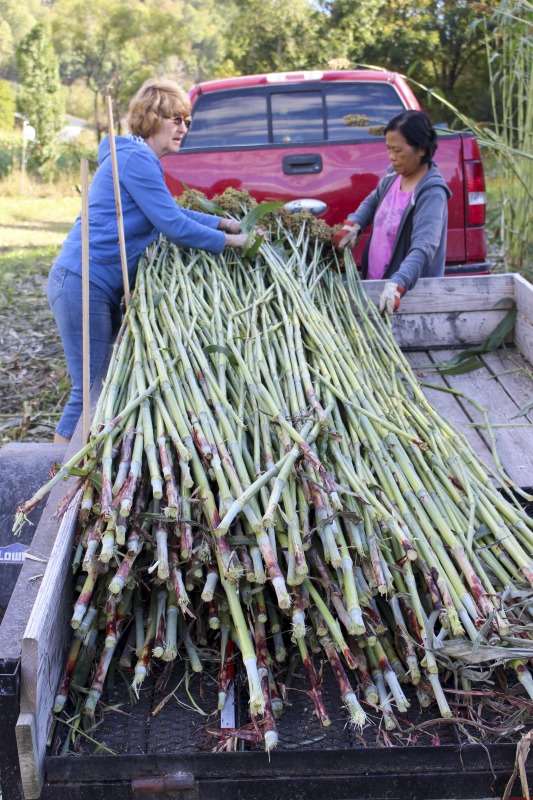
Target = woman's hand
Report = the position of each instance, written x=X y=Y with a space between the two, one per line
x=350 y=237
x=230 y=226
x=236 y=239
x=390 y=297
x=240 y=239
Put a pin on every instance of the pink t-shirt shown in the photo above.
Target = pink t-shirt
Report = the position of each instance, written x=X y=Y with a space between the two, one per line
x=386 y=224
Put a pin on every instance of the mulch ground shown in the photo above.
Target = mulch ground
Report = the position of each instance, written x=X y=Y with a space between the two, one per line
x=34 y=383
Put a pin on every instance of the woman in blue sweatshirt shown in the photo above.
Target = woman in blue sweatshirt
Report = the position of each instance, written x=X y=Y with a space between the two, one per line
x=158 y=120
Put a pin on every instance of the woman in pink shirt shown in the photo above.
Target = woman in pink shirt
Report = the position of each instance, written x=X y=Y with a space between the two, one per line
x=408 y=212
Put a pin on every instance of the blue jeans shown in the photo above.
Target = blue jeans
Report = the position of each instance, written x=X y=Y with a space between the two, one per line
x=64 y=296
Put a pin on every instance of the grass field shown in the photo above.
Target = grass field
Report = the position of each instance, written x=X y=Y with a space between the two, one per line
x=32 y=221
x=34 y=383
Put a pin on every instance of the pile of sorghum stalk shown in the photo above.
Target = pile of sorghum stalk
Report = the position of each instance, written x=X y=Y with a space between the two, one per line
x=265 y=473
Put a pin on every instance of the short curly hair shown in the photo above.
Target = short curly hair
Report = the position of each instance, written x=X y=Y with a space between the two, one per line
x=157 y=98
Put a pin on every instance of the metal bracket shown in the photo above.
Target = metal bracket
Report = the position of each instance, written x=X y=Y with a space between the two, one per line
x=158 y=784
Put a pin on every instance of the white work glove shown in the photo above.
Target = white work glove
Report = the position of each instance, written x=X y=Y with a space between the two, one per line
x=390 y=297
x=347 y=235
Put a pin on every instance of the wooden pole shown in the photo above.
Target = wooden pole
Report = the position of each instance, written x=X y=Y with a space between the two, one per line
x=118 y=201
x=86 y=365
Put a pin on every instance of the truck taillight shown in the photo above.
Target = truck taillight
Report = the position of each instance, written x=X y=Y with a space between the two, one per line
x=476 y=201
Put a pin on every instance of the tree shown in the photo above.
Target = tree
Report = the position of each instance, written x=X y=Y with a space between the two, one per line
x=435 y=40
x=272 y=35
x=348 y=27
x=86 y=39
x=208 y=24
x=116 y=44
x=16 y=20
x=7 y=106
x=40 y=98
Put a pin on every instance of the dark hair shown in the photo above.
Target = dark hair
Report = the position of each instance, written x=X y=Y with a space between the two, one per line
x=416 y=128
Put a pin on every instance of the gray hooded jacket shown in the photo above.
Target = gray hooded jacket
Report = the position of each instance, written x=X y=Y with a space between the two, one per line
x=420 y=246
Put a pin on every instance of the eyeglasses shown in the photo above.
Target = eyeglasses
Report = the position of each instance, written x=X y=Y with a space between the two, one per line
x=180 y=121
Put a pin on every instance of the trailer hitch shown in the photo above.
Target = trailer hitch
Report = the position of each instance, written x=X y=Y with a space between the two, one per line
x=158 y=784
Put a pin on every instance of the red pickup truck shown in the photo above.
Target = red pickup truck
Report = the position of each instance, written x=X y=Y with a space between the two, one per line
x=287 y=136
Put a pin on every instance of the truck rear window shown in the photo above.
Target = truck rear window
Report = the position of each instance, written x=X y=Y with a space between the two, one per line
x=297 y=117
x=229 y=118
x=277 y=115
x=377 y=102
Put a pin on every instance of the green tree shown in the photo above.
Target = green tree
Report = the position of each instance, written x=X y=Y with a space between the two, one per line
x=40 y=97
x=348 y=27
x=209 y=25
x=7 y=106
x=435 y=40
x=16 y=20
x=117 y=44
x=272 y=35
x=7 y=48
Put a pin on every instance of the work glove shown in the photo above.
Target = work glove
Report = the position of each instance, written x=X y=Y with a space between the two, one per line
x=390 y=297
x=347 y=235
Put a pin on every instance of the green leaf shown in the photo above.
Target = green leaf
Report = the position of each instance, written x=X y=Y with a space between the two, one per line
x=207 y=205
x=159 y=296
x=495 y=340
x=460 y=369
x=523 y=411
x=505 y=327
x=250 y=220
x=218 y=348
x=249 y=252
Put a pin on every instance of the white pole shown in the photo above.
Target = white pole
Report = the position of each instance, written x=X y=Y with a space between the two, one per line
x=28 y=135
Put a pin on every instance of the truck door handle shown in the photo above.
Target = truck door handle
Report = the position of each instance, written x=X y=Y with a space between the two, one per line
x=303 y=163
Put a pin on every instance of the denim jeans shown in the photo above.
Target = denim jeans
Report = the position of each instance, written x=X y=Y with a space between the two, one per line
x=64 y=296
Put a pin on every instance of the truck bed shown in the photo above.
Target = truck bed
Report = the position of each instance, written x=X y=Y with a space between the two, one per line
x=170 y=752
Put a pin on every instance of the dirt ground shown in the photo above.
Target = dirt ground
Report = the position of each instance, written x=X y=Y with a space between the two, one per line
x=34 y=384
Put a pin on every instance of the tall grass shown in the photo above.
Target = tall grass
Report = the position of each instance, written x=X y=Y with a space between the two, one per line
x=508 y=138
x=509 y=42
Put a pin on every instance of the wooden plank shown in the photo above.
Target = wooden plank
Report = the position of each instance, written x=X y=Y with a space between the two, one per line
x=448 y=406
x=43 y=652
x=524 y=337
x=453 y=294
x=26 y=738
x=523 y=292
x=416 y=331
x=39 y=651
x=449 y=312
x=515 y=374
x=514 y=445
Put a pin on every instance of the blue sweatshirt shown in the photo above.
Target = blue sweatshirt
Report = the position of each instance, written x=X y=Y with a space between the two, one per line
x=147 y=210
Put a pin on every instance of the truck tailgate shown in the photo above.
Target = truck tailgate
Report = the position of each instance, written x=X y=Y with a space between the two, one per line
x=339 y=174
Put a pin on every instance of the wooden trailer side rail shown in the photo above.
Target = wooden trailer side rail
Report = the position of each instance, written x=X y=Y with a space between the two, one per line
x=44 y=644
x=524 y=321
x=451 y=312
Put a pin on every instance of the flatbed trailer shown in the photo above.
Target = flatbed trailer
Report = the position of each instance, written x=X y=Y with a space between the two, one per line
x=169 y=754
